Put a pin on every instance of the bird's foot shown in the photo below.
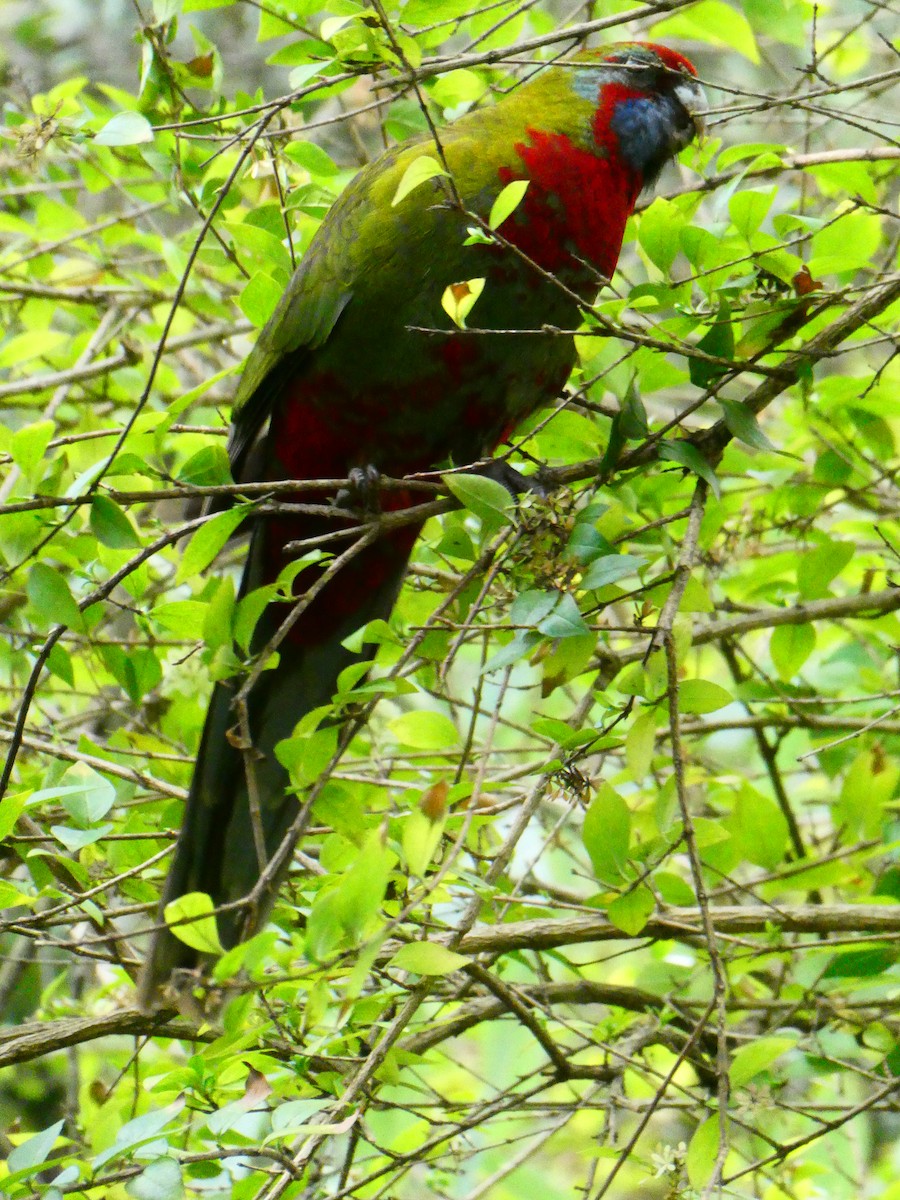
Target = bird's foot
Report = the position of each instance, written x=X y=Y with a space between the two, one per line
x=362 y=491
x=514 y=481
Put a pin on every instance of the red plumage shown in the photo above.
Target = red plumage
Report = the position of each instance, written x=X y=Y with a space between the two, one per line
x=360 y=367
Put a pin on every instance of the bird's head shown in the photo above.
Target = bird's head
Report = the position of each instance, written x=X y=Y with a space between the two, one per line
x=647 y=97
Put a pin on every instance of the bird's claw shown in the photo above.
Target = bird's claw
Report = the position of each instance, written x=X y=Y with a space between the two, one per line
x=362 y=491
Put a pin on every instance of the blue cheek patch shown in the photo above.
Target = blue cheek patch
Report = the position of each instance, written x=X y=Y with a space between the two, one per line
x=640 y=127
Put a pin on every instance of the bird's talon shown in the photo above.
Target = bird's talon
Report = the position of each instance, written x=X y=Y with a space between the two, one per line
x=363 y=490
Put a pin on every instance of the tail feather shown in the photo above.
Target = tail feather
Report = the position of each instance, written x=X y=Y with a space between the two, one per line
x=216 y=850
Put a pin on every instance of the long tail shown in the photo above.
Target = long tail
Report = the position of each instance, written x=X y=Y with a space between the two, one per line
x=216 y=849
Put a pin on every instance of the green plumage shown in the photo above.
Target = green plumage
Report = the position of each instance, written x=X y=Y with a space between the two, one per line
x=360 y=367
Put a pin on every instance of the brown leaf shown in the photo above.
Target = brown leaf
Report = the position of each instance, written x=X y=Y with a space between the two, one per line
x=256 y=1089
x=804 y=283
x=434 y=801
x=460 y=291
x=201 y=66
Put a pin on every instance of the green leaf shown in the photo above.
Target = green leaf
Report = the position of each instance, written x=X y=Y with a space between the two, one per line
x=530 y=607
x=209 y=467
x=421 y=838
x=639 y=745
x=695 y=598
x=748 y=209
x=703 y=1149
x=690 y=457
x=125 y=129
x=309 y=155
x=848 y=244
x=719 y=341
x=28 y=445
x=743 y=424
x=751 y=1060
x=759 y=827
x=631 y=912
x=11 y=809
x=137 y=1131
x=184 y=618
x=428 y=958
x=422 y=12
x=49 y=594
x=610 y=569
x=160 y=1181
x=740 y=153
x=307 y=755
x=790 y=646
x=217 y=623
x=673 y=889
x=632 y=414
x=34 y=343
x=248 y=611
x=709 y=833
x=520 y=647
x=360 y=893
x=861 y=964
x=869 y=784
x=487 y=499
x=35 y=1150
x=324 y=932
x=659 y=232
x=201 y=932
x=11 y=897
x=111 y=525
x=76 y=839
x=569 y=657
x=701 y=696
x=425 y=730
x=607 y=834
x=819 y=567
x=333 y=25
x=565 y=621
x=715 y=22
x=209 y=539
x=260 y=297
x=453 y=87
x=419 y=171
x=458 y=299
x=507 y=202
x=88 y=795
x=261 y=248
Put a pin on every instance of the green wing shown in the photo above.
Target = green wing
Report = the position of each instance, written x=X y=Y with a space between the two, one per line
x=371 y=248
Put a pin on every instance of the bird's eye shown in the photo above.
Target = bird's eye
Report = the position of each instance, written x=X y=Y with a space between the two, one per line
x=633 y=59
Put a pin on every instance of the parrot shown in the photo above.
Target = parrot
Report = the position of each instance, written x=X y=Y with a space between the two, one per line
x=360 y=373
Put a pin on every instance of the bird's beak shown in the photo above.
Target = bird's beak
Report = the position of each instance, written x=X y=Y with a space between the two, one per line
x=693 y=99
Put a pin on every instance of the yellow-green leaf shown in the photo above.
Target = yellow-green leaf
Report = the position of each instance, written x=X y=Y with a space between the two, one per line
x=458 y=299
x=208 y=541
x=607 y=834
x=507 y=202
x=428 y=958
x=631 y=911
x=701 y=696
x=424 y=730
x=49 y=593
x=703 y=1149
x=756 y=1057
x=200 y=931
x=419 y=171
x=125 y=129
x=111 y=525
x=639 y=745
